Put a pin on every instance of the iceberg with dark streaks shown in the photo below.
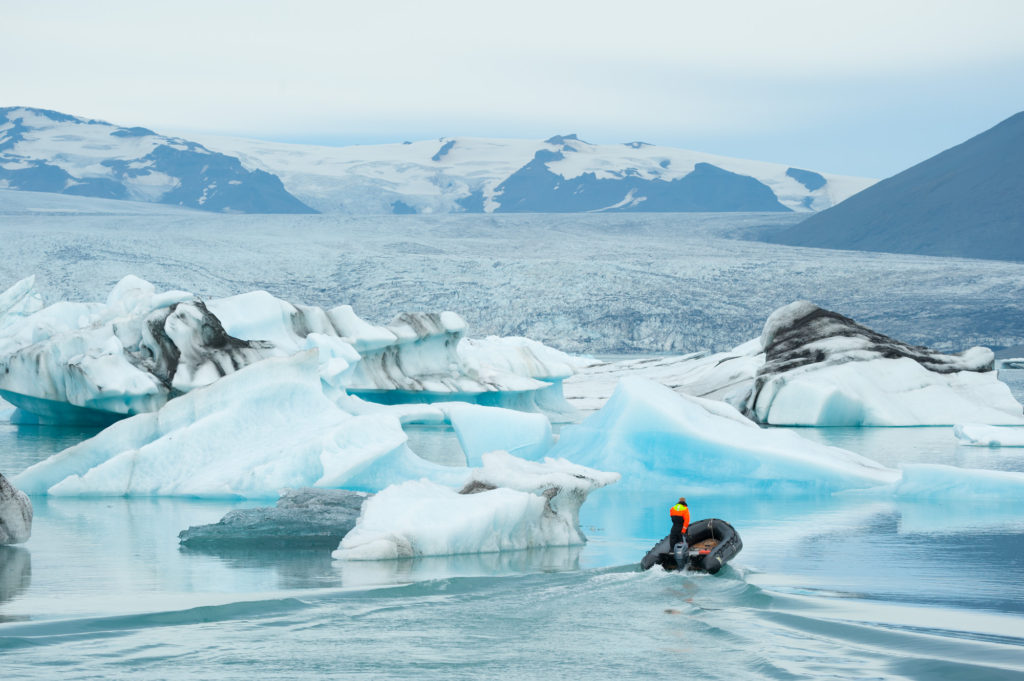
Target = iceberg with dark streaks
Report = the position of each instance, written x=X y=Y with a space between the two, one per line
x=816 y=367
x=94 y=363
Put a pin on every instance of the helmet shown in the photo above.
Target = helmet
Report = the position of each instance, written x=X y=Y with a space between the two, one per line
x=682 y=500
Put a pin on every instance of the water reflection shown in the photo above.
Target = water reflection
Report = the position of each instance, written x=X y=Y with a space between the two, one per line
x=15 y=572
x=293 y=568
x=24 y=445
x=314 y=568
x=379 y=572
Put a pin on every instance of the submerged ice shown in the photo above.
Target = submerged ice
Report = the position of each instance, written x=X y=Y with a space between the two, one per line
x=302 y=518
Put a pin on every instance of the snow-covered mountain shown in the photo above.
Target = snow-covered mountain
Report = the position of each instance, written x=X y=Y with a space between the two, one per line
x=558 y=175
x=48 y=151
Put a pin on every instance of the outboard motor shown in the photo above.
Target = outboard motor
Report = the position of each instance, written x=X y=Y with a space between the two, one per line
x=681 y=551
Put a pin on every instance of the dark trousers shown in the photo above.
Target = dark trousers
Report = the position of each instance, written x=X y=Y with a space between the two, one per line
x=676 y=535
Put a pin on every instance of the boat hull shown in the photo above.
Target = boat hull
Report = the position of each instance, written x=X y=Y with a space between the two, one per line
x=722 y=539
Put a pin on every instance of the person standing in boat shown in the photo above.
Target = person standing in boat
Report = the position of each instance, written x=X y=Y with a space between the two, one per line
x=680 y=514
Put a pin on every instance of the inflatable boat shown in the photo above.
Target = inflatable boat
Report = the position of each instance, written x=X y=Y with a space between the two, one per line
x=709 y=544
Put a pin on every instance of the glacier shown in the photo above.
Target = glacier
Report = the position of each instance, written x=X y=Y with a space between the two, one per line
x=15 y=514
x=507 y=504
x=93 y=363
x=584 y=283
x=815 y=367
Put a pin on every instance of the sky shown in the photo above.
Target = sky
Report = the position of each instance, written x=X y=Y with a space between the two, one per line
x=862 y=88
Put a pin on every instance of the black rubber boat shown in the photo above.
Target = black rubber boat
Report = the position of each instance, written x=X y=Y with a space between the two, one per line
x=710 y=544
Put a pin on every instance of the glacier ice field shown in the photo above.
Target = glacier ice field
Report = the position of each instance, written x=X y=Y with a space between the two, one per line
x=841 y=586
x=595 y=283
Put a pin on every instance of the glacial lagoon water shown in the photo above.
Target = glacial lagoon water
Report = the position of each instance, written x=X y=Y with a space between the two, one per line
x=842 y=587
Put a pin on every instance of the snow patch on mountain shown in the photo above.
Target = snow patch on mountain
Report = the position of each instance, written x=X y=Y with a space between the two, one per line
x=47 y=151
x=560 y=174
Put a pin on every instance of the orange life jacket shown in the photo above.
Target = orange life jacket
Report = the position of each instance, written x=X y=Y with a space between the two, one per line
x=681 y=511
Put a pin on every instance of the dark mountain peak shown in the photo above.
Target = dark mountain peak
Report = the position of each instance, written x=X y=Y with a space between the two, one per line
x=966 y=201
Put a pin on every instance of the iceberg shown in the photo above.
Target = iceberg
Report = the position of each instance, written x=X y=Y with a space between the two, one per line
x=302 y=518
x=814 y=367
x=980 y=435
x=507 y=504
x=15 y=514
x=659 y=439
x=266 y=427
x=825 y=369
x=486 y=429
x=937 y=481
x=662 y=440
x=94 y=363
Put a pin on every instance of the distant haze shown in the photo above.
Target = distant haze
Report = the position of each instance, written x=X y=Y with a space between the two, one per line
x=865 y=88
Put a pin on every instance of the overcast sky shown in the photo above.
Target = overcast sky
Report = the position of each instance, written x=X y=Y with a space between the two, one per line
x=859 y=88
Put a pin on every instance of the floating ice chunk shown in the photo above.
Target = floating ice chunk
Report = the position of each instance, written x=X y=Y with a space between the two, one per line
x=15 y=514
x=659 y=439
x=307 y=517
x=980 y=435
x=517 y=356
x=486 y=429
x=94 y=363
x=74 y=361
x=883 y=392
x=923 y=481
x=536 y=505
x=814 y=367
x=264 y=428
x=824 y=369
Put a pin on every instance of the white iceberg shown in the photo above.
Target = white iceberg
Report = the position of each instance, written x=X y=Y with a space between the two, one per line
x=508 y=504
x=981 y=435
x=659 y=439
x=15 y=514
x=814 y=367
x=253 y=433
